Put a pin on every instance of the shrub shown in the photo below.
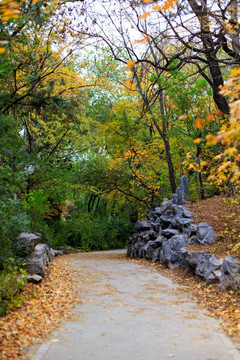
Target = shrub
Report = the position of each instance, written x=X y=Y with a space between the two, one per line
x=12 y=280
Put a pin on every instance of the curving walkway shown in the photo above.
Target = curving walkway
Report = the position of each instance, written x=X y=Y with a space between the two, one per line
x=128 y=311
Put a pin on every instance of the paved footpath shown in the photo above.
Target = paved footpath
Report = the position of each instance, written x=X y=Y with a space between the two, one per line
x=130 y=312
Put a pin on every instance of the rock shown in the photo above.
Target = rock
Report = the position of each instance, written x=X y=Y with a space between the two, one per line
x=184 y=225
x=63 y=249
x=181 y=195
x=156 y=255
x=193 y=230
x=205 y=234
x=52 y=253
x=205 y=266
x=192 y=240
x=171 y=253
x=230 y=276
x=147 y=251
x=26 y=243
x=166 y=220
x=136 y=249
x=181 y=211
x=168 y=233
x=34 y=278
x=38 y=260
x=58 y=252
x=147 y=235
x=143 y=225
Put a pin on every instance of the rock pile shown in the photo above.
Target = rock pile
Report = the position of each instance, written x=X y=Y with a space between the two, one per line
x=37 y=256
x=166 y=232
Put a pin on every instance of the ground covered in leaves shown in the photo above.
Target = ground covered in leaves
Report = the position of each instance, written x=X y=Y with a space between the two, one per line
x=223 y=214
x=47 y=304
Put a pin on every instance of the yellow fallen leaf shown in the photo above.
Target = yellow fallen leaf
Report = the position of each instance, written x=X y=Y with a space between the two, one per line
x=54 y=340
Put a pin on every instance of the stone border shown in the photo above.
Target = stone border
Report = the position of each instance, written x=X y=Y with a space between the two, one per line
x=166 y=232
x=37 y=255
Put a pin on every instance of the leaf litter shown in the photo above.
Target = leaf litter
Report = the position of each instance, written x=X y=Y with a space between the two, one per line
x=45 y=306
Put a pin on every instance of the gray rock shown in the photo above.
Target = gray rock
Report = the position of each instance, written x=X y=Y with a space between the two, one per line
x=171 y=253
x=168 y=233
x=205 y=234
x=230 y=276
x=181 y=211
x=184 y=225
x=156 y=255
x=26 y=243
x=147 y=251
x=34 y=278
x=205 y=266
x=58 y=252
x=38 y=260
x=143 y=225
x=166 y=220
x=63 y=249
x=147 y=235
x=193 y=230
x=192 y=240
x=181 y=195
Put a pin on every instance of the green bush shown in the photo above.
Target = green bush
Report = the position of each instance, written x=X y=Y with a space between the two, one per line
x=98 y=232
x=12 y=280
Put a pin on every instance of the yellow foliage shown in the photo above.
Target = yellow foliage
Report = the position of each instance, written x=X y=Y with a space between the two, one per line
x=211 y=139
x=130 y=63
x=197 y=141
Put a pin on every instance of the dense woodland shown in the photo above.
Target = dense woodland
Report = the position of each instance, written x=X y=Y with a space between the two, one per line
x=105 y=105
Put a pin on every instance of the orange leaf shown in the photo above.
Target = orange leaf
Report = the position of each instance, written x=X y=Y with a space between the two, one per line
x=168 y=4
x=199 y=123
x=146 y=38
x=157 y=7
x=144 y=15
x=130 y=63
x=197 y=141
x=209 y=117
x=218 y=112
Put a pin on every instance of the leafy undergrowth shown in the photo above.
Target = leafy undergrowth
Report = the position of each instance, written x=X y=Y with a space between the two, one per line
x=223 y=214
x=45 y=306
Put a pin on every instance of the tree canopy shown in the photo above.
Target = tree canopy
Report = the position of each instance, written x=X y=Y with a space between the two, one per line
x=104 y=105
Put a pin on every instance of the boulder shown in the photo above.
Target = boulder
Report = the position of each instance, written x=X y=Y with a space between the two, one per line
x=181 y=211
x=147 y=235
x=166 y=220
x=38 y=260
x=35 y=279
x=143 y=225
x=181 y=195
x=171 y=254
x=168 y=233
x=205 y=266
x=205 y=234
x=156 y=255
x=184 y=225
x=147 y=250
x=26 y=243
x=230 y=274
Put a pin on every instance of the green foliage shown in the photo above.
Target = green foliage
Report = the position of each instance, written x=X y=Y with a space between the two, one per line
x=12 y=280
x=91 y=232
x=12 y=181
